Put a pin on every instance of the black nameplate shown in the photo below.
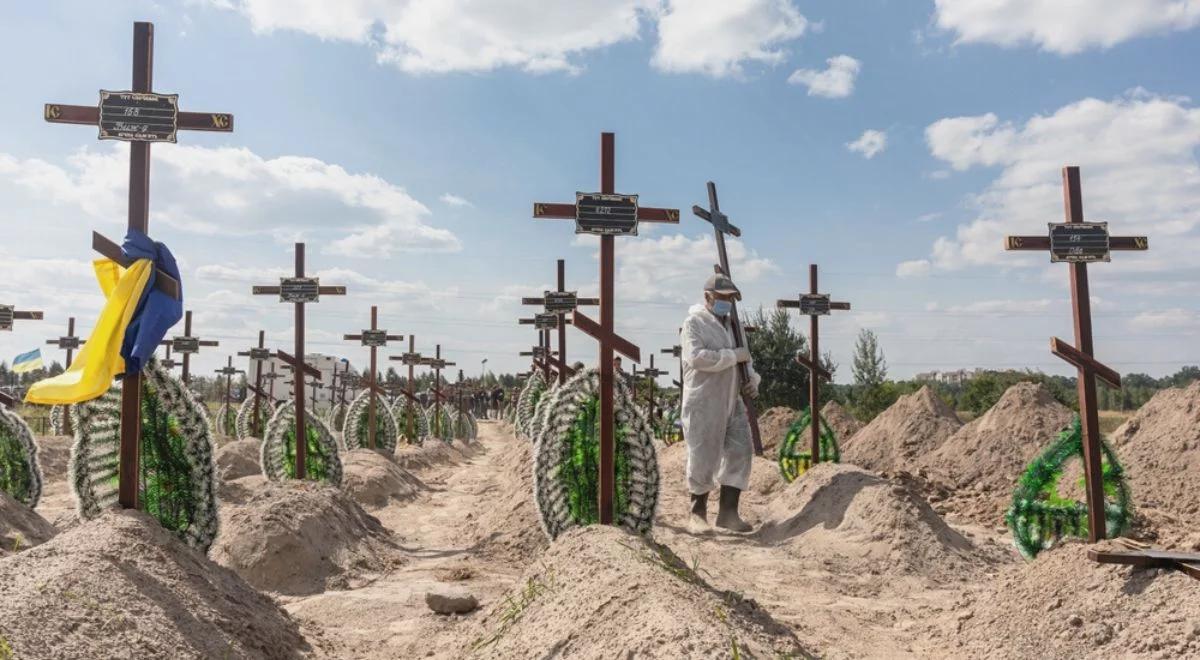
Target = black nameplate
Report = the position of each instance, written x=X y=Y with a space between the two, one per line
x=814 y=304
x=299 y=290
x=184 y=345
x=545 y=321
x=260 y=354
x=138 y=117
x=6 y=317
x=606 y=215
x=375 y=338
x=68 y=342
x=560 y=302
x=1079 y=242
x=411 y=358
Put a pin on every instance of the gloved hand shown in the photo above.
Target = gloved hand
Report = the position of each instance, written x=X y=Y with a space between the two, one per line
x=750 y=390
x=742 y=353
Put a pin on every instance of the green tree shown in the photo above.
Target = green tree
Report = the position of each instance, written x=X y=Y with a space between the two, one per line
x=870 y=367
x=774 y=347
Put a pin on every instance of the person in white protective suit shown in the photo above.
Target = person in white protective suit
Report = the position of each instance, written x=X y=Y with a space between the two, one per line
x=715 y=424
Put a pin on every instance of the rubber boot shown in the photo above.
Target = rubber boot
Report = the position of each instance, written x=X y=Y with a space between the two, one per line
x=698 y=519
x=727 y=516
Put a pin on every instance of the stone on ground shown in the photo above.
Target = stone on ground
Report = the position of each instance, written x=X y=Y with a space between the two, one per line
x=451 y=600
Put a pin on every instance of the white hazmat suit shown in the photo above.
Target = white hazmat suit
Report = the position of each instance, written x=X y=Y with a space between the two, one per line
x=715 y=424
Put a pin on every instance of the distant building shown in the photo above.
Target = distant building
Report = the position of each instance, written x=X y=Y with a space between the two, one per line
x=957 y=377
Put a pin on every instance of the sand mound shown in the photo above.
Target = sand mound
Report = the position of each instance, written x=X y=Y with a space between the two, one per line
x=121 y=585
x=20 y=526
x=1160 y=449
x=1064 y=606
x=854 y=522
x=903 y=435
x=301 y=538
x=432 y=453
x=773 y=425
x=672 y=465
x=510 y=530
x=238 y=459
x=982 y=461
x=373 y=480
x=839 y=419
x=599 y=592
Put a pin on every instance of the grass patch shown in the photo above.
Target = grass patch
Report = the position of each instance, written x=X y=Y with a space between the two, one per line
x=515 y=608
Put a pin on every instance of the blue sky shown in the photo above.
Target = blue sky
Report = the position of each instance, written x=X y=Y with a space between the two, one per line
x=892 y=143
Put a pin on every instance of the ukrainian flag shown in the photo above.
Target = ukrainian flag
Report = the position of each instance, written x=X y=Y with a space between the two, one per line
x=26 y=362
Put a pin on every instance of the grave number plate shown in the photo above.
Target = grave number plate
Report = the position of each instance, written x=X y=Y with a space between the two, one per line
x=545 y=321
x=560 y=302
x=374 y=338
x=1079 y=242
x=606 y=215
x=138 y=117
x=68 y=342
x=814 y=304
x=260 y=354
x=6 y=317
x=184 y=345
x=299 y=290
x=410 y=358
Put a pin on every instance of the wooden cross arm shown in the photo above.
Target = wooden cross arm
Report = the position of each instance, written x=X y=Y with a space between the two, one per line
x=561 y=366
x=27 y=316
x=676 y=383
x=257 y=391
x=225 y=371
x=265 y=290
x=1084 y=361
x=7 y=400
x=60 y=113
x=247 y=354
x=795 y=304
x=291 y=360
x=208 y=342
x=1185 y=562
x=725 y=226
x=1042 y=243
x=331 y=290
x=820 y=371
x=552 y=211
x=619 y=344
x=162 y=281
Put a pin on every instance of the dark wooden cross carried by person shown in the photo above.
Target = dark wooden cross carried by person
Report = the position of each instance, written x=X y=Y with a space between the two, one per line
x=228 y=371
x=814 y=305
x=374 y=338
x=555 y=307
x=299 y=290
x=608 y=215
x=186 y=345
x=68 y=343
x=138 y=116
x=721 y=226
x=258 y=355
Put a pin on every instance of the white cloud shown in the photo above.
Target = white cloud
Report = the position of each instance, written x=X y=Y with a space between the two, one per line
x=716 y=37
x=914 y=268
x=870 y=144
x=929 y=217
x=1063 y=27
x=1174 y=318
x=1139 y=166
x=235 y=192
x=451 y=199
x=835 y=82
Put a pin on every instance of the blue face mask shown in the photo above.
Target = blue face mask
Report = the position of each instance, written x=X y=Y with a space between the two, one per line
x=722 y=307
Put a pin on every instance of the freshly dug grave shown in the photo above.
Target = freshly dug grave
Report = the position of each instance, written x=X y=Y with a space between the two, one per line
x=672 y=465
x=773 y=424
x=600 y=592
x=301 y=537
x=979 y=465
x=1160 y=449
x=901 y=436
x=839 y=419
x=58 y=503
x=374 y=480
x=1062 y=605
x=509 y=530
x=54 y=451
x=853 y=522
x=238 y=459
x=432 y=452
x=20 y=526
x=121 y=585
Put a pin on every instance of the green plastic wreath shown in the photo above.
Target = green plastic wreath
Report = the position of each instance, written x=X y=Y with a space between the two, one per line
x=278 y=451
x=413 y=422
x=1039 y=516
x=356 y=433
x=225 y=421
x=20 y=475
x=794 y=462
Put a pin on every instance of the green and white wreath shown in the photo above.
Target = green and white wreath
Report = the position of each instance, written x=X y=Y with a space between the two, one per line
x=177 y=475
x=541 y=411
x=58 y=418
x=245 y=417
x=336 y=419
x=795 y=454
x=277 y=454
x=534 y=388
x=20 y=475
x=225 y=421
x=413 y=422
x=357 y=433
x=567 y=454
x=465 y=427
x=441 y=425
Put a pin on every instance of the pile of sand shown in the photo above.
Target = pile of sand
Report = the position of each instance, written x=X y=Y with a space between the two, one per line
x=121 y=585
x=852 y=522
x=431 y=453
x=20 y=526
x=1160 y=449
x=238 y=459
x=374 y=480
x=300 y=537
x=839 y=419
x=58 y=503
x=1062 y=605
x=979 y=465
x=903 y=435
x=773 y=424
x=599 y=592
x=509 y=530
x=672 y=464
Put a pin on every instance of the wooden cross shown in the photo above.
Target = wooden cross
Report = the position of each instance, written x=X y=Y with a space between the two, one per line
x=338 y=383
x=314 y=384
x=258 y=355
x=68 y=343
x=411 y=359
x=814 y=305
x=374 y=338
x=592 y=214
x=186 y=345
x=271 y=377
x=8 y=314
x=556 y=304
x=437 y=364
x=228 y=371
x=1077 y=242
x=721 y=227
x=168 y=362
x=540 y=355
x=138 y=116
x=652 y=373
x=299 y=291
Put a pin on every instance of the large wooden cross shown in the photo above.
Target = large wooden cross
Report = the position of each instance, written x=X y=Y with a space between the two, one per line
x=412 y=359
x=8 y=314
x=721 y=227
x=258 y=355
x=814 y=305
x=1079 y=243
x=138 y=116
x=186 y=345
x=374 y=338
x=228 y=371
x=68 y=343
x=437 y=364
x=607 y=214
x=299 y=290
x=555 y=306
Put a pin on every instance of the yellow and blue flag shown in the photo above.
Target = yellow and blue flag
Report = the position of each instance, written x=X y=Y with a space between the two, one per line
x=26 y=362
